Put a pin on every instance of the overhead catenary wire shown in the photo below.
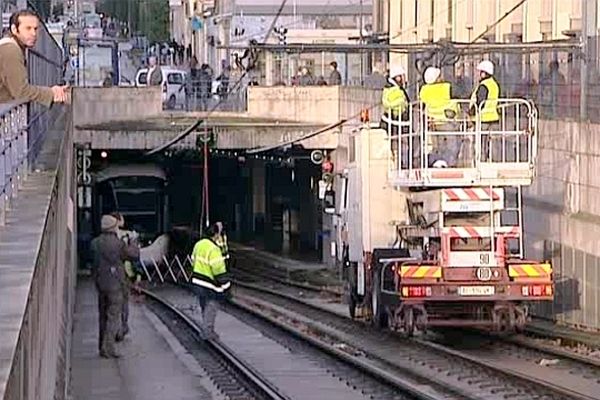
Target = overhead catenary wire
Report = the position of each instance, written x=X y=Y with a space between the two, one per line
x=203 y=119
x=299 y=139
x=502 y=18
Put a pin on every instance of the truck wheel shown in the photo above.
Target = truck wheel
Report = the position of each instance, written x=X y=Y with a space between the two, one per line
x=352 y=306
x=379 y=318
x=409 y=322
x=350 y=299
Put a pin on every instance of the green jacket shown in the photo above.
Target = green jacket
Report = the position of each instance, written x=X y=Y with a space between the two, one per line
x=210 y=270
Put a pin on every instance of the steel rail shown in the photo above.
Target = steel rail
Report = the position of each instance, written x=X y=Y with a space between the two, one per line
x=411 y=385
x=289 y=282
x=527 y=342
x=437 y=348
x=371 y=370
x=515 y=340
x=260 y=383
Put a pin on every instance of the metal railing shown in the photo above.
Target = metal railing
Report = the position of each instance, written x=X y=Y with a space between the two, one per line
x=13 y=153
x=40 y=368
x=23 y=126
x=40 y=365
x=421 y=146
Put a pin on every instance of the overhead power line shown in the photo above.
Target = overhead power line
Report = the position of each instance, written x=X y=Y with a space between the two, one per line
x=502 y=18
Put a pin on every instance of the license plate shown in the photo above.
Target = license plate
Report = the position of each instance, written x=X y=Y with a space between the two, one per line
x=476 y=290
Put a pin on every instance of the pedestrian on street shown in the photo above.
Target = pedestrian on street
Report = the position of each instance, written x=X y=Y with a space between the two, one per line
x=108 y=271
x=334 y=77
x=209 y=278
x=154 y=77
x=14 y=82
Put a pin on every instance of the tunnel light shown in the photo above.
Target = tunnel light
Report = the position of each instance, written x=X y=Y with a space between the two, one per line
x=104 y=154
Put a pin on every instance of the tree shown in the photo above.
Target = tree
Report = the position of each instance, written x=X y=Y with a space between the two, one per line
x=42 y=7
x=149 y=17
x=154 y=20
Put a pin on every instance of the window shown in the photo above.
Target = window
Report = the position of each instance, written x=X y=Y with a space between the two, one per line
x=450 y=11
x=432 y=8
x=175 y=79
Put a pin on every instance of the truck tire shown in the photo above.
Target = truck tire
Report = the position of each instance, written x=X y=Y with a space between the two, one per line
x=409 y=322
x=350 y=298
x=352 y=306
x=380 y=317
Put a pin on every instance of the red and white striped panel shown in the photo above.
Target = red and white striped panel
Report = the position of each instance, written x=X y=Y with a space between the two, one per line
x=510 y=231
x=472 y=194
x=468 y=232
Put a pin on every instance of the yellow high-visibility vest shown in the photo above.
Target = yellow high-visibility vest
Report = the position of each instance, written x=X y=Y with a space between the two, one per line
x=394 y=100
x=436 y=97
x=489 y=111
x=209 y=266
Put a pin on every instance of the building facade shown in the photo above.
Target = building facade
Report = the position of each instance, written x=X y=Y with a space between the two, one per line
x=212 y=26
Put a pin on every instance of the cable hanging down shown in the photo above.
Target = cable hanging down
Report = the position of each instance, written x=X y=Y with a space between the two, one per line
x=252 y=56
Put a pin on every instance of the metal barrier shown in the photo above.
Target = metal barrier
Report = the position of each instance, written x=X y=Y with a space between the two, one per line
x=13 y=153
x=40 y=368
x=176 y=270
x=23 y=126
x=234 y=99
x=461 y=149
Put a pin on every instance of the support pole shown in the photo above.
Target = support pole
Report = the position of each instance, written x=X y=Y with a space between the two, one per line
x=583 y=61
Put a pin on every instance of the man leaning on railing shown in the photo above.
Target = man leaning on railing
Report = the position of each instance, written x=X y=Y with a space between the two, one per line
x=14 y=84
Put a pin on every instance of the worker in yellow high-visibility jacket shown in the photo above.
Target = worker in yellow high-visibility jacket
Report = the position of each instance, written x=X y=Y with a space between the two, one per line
x=394 y=98
x=210 y=277
x=441 y=111
x=395 y=102
x=485 y=99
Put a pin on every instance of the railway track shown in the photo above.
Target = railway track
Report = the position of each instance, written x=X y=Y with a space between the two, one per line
x=374 y=380
x=260 y=272
x=475 y=373
x=232 y=376
x=541 y=347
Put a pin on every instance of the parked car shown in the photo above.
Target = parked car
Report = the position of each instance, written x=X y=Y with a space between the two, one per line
x=173 y=86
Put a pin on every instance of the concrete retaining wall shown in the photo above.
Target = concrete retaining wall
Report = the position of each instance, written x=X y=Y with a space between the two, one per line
x=323 y=104
x=562 y=218
x=96 y=105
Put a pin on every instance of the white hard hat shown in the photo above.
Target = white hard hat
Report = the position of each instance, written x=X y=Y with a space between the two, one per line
x=486 y=66
x=431 y=74
x=397 y=70
x=440 y=164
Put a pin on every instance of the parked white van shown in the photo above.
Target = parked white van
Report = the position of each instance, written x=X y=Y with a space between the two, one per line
x=173 y=86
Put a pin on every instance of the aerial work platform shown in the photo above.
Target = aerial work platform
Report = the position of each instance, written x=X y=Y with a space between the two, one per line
x=463 y=151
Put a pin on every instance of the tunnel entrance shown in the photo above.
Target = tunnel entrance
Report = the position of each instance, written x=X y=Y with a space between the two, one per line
x=268 y=201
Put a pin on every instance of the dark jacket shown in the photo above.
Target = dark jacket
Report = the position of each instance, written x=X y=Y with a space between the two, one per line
x=335 y=78
x=109 y=253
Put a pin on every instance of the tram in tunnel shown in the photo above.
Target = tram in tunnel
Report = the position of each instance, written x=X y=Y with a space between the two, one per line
x=136 y=191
